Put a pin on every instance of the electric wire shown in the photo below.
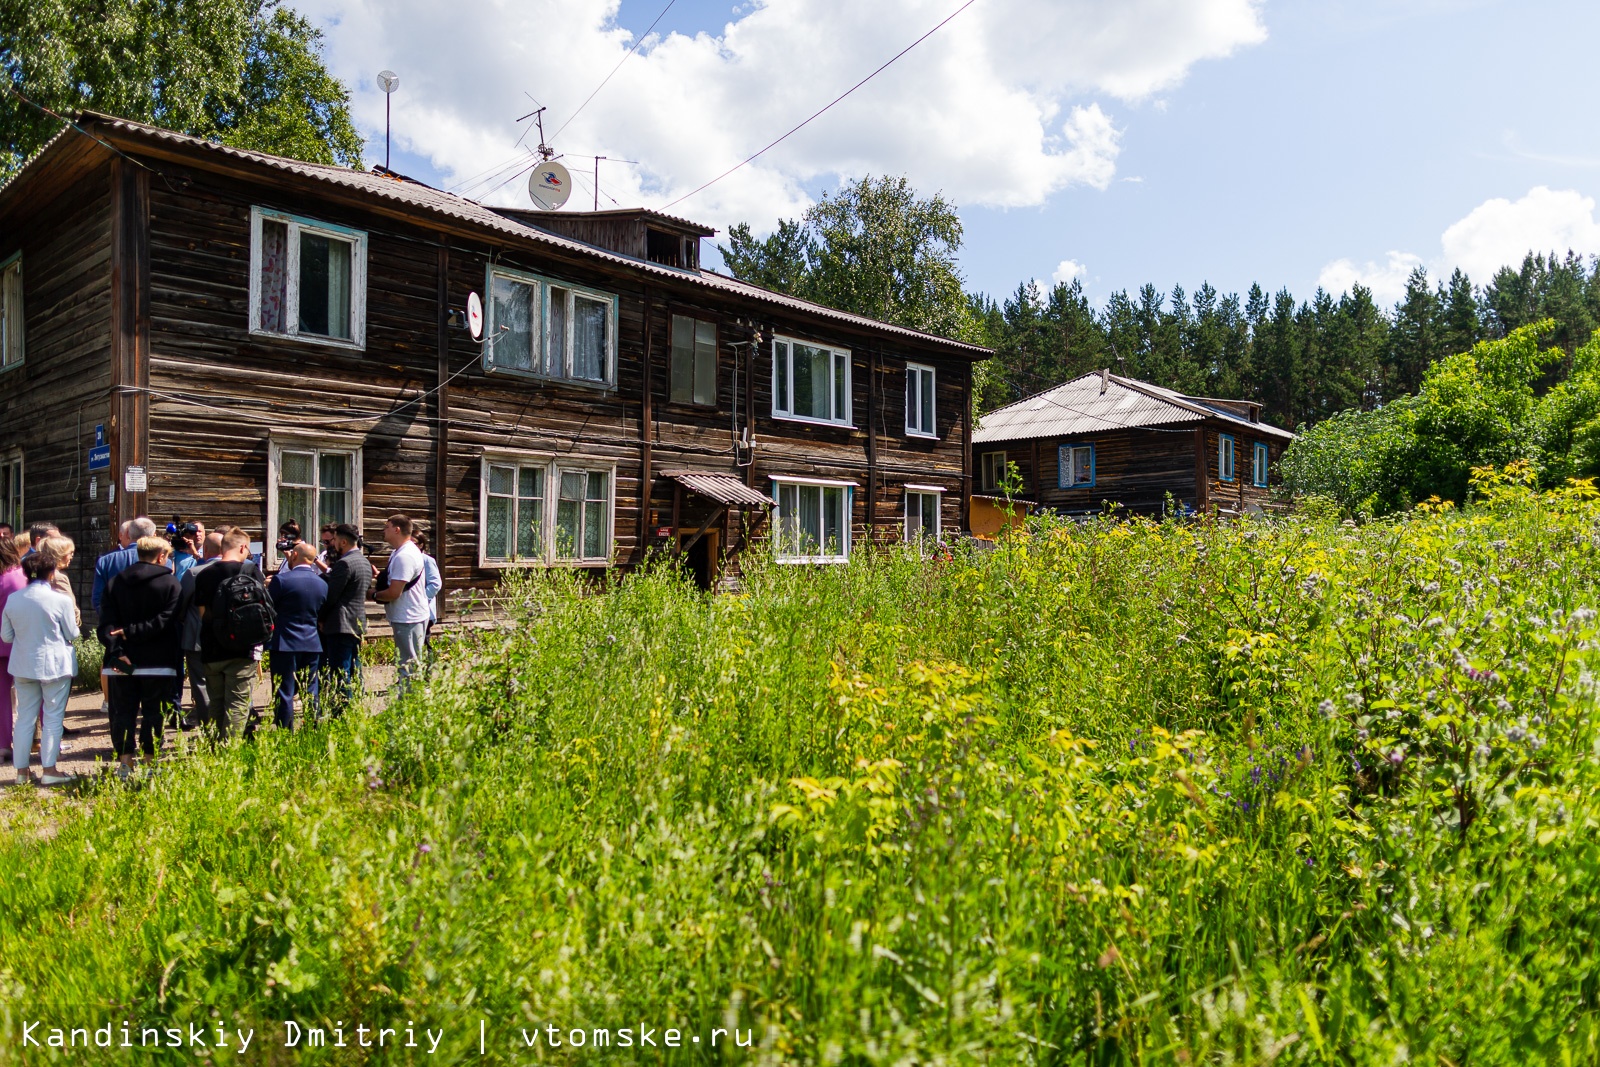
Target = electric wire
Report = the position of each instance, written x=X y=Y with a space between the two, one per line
x=823 y=110
x=614 y=70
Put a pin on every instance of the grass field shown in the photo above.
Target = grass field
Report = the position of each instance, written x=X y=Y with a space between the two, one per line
x=1302 y=792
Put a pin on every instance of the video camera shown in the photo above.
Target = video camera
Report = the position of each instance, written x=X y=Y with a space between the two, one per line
x=178 y=532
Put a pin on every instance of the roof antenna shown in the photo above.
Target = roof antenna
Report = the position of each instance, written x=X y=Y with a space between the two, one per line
x=388 y=81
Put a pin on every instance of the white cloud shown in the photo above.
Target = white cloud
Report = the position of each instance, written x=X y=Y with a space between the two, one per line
x=1497 y=233
x=995 y=109
x=1068 y=270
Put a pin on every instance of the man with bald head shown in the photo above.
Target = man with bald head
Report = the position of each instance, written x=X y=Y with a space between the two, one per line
x=297 y=592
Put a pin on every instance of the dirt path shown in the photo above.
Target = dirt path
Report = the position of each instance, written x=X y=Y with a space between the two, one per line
x=88 y=749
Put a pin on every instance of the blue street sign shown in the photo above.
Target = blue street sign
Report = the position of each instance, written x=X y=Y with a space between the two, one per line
x=99 y=434
x=99 y=457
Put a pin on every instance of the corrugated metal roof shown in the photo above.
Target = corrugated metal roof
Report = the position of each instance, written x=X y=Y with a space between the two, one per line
x=1097 y=402
x=720 y=486
x=415 y=194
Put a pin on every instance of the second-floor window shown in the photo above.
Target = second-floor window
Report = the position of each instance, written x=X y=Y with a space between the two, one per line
x=546 y=329
x=810 y=382
x=308 y=279
x=694 y=361
x=11 y=311
x=919 y=401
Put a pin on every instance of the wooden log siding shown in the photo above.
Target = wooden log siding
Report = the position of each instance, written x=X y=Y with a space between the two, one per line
x=1241 y=493
x=50 y=404
x=217 y=393
x=1134 y=469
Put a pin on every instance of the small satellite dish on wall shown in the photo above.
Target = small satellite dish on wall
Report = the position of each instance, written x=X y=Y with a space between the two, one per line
x=549 y=185
x=388 y=80
x=475 y=316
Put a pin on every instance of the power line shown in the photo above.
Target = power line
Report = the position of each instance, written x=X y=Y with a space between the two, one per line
x=614 y=70
x=819 y=113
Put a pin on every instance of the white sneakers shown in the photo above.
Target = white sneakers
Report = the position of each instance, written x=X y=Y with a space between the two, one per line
x=58 y=779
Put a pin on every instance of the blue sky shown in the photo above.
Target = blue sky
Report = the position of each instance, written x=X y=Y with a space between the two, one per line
x=1286 y=143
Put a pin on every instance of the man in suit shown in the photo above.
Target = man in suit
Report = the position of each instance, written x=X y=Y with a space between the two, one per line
x=297 y=593
x=344 y=614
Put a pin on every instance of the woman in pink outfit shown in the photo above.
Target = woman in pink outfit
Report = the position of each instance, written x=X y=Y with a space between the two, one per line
x=11 y=580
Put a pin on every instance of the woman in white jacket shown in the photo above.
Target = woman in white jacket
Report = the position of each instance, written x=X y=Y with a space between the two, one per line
x=40 y=625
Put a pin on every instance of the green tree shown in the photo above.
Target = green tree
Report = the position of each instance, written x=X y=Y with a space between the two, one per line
x=248 y=73
x=874 y=248
x=1414 y=342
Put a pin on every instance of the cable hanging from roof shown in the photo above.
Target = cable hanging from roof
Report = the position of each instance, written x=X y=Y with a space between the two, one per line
x=823 y=109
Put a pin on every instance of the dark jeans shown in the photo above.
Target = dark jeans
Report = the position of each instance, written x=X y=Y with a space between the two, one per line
x=341 y=667
x=289 y=670
x=197 y=686
x=138 y=703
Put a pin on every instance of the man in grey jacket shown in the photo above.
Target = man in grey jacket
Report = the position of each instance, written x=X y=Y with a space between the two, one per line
x=343 y=620
x=189 y=635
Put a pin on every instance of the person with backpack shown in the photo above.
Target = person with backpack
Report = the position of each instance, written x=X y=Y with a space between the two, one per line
x=236 y=619
x=141 y=613
x=297 y=593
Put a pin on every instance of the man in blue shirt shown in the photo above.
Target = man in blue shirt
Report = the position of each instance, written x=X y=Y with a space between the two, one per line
x=297 y=593
x=118 y=560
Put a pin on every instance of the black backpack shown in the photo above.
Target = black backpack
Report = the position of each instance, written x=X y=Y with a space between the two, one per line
x=241 y=615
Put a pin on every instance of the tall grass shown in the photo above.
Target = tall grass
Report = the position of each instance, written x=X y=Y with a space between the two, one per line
x=1120 y=793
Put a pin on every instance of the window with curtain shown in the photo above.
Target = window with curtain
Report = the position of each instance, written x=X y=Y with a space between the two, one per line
x=810 y=382
x=1225 y=457
x=919 y=401
x=308 y=279
x=539 y=511
x=313 y=485
x=694 y=361
x=1076 y=466
x=537 y=328
x=514 y=512
x=813 y=522
x=11 y=492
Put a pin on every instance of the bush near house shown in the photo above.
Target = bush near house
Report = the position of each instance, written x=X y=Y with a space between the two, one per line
x=1294 y=791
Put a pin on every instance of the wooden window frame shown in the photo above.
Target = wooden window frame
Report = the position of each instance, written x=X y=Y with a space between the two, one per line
x=990 y=480
x=12 y=459
x=924 y=492
x=914 y=375
x=848 y=489
x=542 y=286
x=1067 y=469
x=297 y=225
x=1227 y=458
x=279 y=442
x=552 y=465
x=13 y=331
x=787 y=369
x=716 y=362
x=1261 y=460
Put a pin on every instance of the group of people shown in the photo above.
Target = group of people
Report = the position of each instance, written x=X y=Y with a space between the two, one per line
x=197 y=605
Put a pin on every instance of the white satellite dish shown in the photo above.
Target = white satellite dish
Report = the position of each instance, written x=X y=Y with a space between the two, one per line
x=549 y=185
x=388 y=80
x=475 y=316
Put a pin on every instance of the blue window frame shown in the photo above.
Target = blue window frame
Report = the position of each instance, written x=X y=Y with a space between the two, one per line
x=1225 y=456
x=1260 y=466
x=1075 y=467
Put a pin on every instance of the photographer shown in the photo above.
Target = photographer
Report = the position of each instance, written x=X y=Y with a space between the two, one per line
x=187 y=539
x=288 y=537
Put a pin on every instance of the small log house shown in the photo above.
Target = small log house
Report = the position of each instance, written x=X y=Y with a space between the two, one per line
x=263 y=339
x=1104 y=440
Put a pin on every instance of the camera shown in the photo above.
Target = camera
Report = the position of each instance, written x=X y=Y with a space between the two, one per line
x=179 y=532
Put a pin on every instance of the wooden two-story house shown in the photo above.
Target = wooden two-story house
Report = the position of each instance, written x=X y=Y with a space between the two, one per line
x=1102 y=440
x=191 y=329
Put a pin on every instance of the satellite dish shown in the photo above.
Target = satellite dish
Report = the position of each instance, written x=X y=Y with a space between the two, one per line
x=388 y=80
x=475 y=316
x=549 y=185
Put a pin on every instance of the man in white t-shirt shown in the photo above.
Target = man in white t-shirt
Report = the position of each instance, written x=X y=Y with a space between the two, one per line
x=403 y=596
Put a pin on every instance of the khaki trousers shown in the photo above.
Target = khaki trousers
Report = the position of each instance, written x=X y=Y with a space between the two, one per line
x=228 y=688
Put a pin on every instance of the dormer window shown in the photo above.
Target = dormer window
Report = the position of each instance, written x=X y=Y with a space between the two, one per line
x=664 y=248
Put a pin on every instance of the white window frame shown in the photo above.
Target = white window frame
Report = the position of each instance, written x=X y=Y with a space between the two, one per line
x=542 y=296
x=13 y=506
x=1261 y=460
x=836 y=354
x=1227 y=458
x=848 y=488
x=919 y=378
x=1067 y=466
x=13 y=335
x=991 y=474
x=925 y=493
x=291 y=310
x=280 y=442
x=553 y=466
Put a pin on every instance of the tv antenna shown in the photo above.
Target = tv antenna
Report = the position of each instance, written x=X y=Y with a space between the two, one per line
x=388 y=81
x=549 y=185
